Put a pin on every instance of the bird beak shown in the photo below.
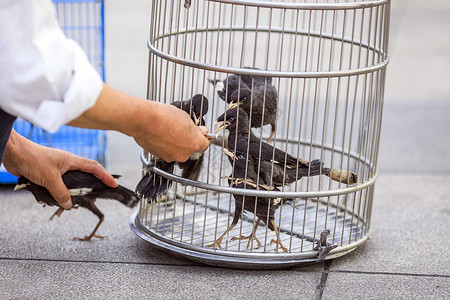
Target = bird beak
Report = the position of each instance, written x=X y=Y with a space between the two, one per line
x=233 y=105
x=222 y=125
x=229 y=153
x=20 y=186
x=196 y=120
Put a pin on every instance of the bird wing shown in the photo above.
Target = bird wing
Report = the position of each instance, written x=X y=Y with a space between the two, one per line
x=81 y=180
x=152 y=185
x=191 y=168
x=232 y=83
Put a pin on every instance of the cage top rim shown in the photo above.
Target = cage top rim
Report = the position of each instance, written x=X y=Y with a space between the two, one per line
x=256 y=72
x=306 y=6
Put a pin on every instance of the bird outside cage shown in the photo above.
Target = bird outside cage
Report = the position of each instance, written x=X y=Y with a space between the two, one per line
x=299 y=89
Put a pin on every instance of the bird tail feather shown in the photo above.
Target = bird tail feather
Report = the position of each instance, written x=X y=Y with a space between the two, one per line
x=151 y=186
x=313 y=168
x=316 y=168
x=122 y=194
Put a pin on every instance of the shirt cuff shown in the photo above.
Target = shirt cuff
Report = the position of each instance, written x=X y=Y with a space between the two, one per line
x=84 y=88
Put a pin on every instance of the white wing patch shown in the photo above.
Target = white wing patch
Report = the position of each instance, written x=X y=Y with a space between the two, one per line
x=219 y=86
x=276 y=201
x=196 y=155
x=80 y=192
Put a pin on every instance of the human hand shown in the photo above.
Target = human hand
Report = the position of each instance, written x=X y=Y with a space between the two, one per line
x=44 y=166
x=171 y=135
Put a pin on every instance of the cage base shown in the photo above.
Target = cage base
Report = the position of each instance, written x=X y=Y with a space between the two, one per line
x=164 y=233
x=217 y=260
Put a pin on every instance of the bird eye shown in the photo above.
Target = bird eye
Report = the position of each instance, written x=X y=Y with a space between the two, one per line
x=244 y=99
x=240 y=156
x=231 y=119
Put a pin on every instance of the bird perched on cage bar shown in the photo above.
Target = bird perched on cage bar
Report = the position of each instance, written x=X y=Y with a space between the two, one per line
x=275 y=166
x=245 y=176
x=84 y=189
x=255 y=95
x=152 y=186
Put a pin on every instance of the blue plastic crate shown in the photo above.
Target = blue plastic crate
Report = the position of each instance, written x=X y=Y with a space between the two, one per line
x=82 y=21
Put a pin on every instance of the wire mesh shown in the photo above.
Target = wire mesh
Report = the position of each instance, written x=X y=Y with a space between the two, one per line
x=327 y=61
x=82 y=21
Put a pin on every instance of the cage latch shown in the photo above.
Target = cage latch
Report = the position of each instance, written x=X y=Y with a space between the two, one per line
x=187 y=3
x=323 y=247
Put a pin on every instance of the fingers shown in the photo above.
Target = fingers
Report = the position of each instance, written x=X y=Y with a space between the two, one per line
x=95 y=168
x=59 y=191
x=204 y=143
x=198 y=144
x=204 y=129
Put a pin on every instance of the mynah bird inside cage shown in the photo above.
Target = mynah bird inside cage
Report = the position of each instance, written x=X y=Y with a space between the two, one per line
x=255 y=95
x=244 y=176
x=276 y=166
x=152 y=186
x=84 y=189
x=281 y=167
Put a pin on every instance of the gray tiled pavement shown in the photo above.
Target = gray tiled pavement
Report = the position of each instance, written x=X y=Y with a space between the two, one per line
x=406 y=258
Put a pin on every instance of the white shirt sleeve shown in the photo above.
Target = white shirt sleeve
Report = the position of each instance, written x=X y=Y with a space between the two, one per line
x=45 y=78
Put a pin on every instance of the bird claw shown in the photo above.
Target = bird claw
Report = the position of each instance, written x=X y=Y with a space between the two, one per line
x=250 y=238
x=278 y=243
x=215 y=245
x=89 y=237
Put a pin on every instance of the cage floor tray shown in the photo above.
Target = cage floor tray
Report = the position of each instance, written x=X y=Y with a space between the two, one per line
x=188 y=226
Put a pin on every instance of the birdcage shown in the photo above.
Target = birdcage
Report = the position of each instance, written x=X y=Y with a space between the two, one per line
x=82 y=21
x=327 y=62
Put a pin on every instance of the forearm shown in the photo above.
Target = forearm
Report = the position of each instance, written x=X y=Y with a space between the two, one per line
x=17 y=148
x=163 y=130
x=115 y=110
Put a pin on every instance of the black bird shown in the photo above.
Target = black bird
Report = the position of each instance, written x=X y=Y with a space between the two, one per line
x=84 y=189
x=233 y=82
x=152 y=186
x=275 y=166
x=257 y=96
x=245 y=176
x=260 y=103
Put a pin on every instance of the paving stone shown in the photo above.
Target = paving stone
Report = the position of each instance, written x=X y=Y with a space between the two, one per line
x=68 y=280
x=381 y=286
x=28 y=233
x=409 y=224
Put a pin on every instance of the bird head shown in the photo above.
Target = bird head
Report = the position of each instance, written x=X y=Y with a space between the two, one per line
x=23 y=183
x=243 y=163
x=230 y=119
x=196 y=107
x=199 y=108
x=238 y=155
x=36 y=190
x=241 y=97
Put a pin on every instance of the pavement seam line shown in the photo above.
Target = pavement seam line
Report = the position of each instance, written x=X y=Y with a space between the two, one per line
x=93 y=261
x=325 y=272
x=390 y=273
x=323 y=279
